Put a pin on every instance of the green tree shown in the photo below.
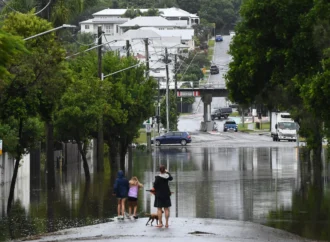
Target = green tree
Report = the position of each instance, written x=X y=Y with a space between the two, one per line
x=132 y=13
x=316 y=92
x=203 y=30
x=272 y=65
x=42 y=72
x=152 y=12
x=23 y=6
x=220 y=12
x=10 y=46
x=80 y=109
x=134 y=95
x=190 y=6
x=195 y=58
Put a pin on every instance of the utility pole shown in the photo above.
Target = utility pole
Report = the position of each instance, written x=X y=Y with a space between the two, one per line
x=176 y=83
x=146 y=44
x=127 y=48
x=167 y=94
x=175 y=75
x=158 y=107
x=100 y=140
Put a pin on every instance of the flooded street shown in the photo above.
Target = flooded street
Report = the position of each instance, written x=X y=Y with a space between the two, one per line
x=264 y=185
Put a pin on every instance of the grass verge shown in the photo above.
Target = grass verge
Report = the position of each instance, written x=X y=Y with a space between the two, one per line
x=211 y=43
x=142 y=137
x=210 y=54
x=244 y=128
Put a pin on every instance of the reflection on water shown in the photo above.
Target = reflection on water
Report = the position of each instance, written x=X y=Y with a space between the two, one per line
x=263 y=185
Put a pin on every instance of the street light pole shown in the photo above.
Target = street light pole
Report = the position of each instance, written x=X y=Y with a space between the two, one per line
x=167 y=94
x=51 y=30
x=146 y=46
x=100 y=138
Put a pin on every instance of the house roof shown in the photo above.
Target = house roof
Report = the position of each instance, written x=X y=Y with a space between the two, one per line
x=89 y=21
x=148 y=22
x=185 y=34
x=98 y=20
x=110 y=11
x=176 y=12
x=140 y=34
x=166 y=12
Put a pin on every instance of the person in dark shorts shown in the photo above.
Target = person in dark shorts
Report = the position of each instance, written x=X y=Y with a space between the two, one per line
x=134 y=186
x=121 y=188
x=162 y=195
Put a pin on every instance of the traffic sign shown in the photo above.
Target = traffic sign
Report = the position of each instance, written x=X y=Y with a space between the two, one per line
x=188 y=93
x=148 y=128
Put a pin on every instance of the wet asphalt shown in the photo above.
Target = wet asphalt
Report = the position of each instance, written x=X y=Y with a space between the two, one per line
x=180 y=229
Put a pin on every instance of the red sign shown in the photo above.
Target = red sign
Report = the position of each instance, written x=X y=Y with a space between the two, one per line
x=188 y=93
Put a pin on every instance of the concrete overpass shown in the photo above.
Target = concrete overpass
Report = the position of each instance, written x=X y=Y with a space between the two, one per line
x=214 y=90
x=206 y=92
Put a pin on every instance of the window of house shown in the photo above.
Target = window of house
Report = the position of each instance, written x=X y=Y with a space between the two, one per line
x=86 y=26
x=161 y=28
x=185 y=18
x=108 y=29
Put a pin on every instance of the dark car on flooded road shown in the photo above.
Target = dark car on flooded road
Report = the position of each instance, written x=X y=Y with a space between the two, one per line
x=230 y=125
x=214 y=70
x=173 y=137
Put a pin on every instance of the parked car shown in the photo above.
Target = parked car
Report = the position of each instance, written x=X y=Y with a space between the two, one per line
x=214 y=69
x=173 y=137
x=218 y=38
x=230 y=125
x=221 y=113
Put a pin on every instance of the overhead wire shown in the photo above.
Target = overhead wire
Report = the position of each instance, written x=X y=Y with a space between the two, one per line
x=79 y=43
x=40 y=11
x=43 y=8
x=188 y=66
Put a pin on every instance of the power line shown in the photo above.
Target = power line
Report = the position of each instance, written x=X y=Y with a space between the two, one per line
x=79 y=43
x=188 y=66
x=11 y=8
x=43 y=8
x=90 y=49
x=127 y=68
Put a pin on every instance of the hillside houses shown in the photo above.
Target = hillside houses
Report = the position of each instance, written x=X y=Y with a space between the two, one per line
x=113 y=23
x=172 y=29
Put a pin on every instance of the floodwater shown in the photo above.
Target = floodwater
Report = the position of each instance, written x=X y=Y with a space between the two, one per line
x=263 y=185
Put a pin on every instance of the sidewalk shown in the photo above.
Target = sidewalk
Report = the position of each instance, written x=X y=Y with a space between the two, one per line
x=180 y=230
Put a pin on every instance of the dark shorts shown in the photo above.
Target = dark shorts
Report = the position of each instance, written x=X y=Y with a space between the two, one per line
x=161 y=202
x=132 y=201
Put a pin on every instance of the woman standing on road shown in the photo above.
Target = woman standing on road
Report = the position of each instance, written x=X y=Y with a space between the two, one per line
x=162 y=195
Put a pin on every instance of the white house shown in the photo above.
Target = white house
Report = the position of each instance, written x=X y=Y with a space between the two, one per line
x=172 y=14
x=111 y=19
x=186 y=35
x=110 y=25
x=156 y=22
